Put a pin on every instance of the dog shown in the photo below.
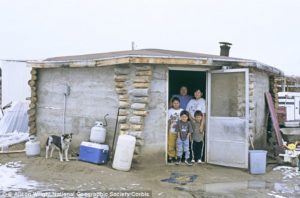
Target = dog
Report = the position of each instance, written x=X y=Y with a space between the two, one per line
x=61 y=143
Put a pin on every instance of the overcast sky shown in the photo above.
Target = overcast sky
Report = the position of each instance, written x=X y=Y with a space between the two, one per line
x=263 y=30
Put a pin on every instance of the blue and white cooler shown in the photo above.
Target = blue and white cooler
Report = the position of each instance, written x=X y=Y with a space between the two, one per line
x=93 y=152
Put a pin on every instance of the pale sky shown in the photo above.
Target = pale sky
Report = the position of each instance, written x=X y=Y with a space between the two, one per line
x=264 y=30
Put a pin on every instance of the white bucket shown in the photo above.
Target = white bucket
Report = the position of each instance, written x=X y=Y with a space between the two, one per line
x=258 y=161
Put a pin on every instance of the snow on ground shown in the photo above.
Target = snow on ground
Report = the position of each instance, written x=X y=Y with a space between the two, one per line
x=288 y=172
x=11 y=180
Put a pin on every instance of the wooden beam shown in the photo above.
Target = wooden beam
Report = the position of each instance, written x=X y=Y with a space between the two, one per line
x=274 y=118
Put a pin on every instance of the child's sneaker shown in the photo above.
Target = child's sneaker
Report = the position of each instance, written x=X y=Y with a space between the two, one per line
x=199 y=161
x=188 y=162
x=177 y=161
x=193 y=161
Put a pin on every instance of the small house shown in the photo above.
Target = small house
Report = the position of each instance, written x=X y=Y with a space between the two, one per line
x=70 y=93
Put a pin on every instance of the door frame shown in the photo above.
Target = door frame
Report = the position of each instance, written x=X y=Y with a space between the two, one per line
x=247 y=113
x=201 y=69
x=297 y=107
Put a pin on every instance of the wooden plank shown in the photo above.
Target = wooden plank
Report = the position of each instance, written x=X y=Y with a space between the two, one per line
x=274 y=118
x=16 y=151
x=281 y=115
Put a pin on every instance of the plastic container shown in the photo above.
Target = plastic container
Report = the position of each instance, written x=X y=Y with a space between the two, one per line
x=98 y=133
x=93 y=152
x=258 y=161
x=124 y=152
x=32 y=147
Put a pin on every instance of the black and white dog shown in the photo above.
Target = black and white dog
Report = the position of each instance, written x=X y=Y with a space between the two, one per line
x=62 y=143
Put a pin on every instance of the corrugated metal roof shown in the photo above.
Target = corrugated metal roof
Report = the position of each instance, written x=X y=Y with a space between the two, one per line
x=141 y=53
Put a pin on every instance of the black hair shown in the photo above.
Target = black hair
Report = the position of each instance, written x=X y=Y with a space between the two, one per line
x=198 y=113
x=175 y=99
x=184 y=112
x=197 y=89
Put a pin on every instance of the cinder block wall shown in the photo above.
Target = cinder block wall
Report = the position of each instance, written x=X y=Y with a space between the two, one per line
x=96 y=91
x=92 y=96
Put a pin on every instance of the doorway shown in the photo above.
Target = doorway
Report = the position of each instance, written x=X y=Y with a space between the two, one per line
x=192 y=80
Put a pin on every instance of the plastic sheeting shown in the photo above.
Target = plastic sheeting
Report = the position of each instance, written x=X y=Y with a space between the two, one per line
x=11 y=138
x=15 y=119
x=14 y=125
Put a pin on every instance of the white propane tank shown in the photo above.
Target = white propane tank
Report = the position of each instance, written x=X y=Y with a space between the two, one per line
x=124 y=152
x=32 y=147
x=98 y=133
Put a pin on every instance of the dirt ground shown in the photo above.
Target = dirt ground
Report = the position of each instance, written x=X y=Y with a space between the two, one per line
x=199 y=180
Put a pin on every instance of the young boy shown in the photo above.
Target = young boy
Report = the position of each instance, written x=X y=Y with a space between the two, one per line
x=184 y=129
x=198 y=137
x=173 y=117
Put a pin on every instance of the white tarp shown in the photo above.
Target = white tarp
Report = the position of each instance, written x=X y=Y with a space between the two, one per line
x=15 y=119
x=11 y=139
x=14 y=125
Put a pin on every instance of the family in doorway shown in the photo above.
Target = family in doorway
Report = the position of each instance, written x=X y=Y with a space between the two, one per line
x=186 y=120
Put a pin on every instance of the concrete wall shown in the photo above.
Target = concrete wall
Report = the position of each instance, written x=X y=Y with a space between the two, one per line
x=92 y=96
x=261 y=85
x=155 y=122
x=15 y=77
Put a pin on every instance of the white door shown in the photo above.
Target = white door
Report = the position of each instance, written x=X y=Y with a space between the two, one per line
x=228 y=118
x=297 y=108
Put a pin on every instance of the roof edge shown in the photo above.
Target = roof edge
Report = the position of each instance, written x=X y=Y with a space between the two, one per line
x=142 y=59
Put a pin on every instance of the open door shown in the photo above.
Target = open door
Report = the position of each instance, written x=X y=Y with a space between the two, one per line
x=228 y=118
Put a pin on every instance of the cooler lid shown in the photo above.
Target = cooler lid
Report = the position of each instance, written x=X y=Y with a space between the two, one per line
x=95 y=145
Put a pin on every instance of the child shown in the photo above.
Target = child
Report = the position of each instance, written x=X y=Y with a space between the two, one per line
x=173 y=117
x=184 y=129
x=196 y=104
x=198 y=137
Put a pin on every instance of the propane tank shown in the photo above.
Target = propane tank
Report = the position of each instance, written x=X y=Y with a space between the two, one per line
x=98 y=133
x=32 y=147
x=124 y=152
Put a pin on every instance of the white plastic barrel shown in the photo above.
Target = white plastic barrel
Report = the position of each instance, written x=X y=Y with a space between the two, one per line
x=124 y=152
x=98 y=133
x=32 y=147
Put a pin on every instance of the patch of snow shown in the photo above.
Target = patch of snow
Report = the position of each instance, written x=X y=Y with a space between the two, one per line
x=276 y=196
x=135 y=184
x=288 y=172
x=11 y=180
x=283 y=188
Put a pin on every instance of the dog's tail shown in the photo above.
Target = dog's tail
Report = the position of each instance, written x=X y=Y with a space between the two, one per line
x=47 y=141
